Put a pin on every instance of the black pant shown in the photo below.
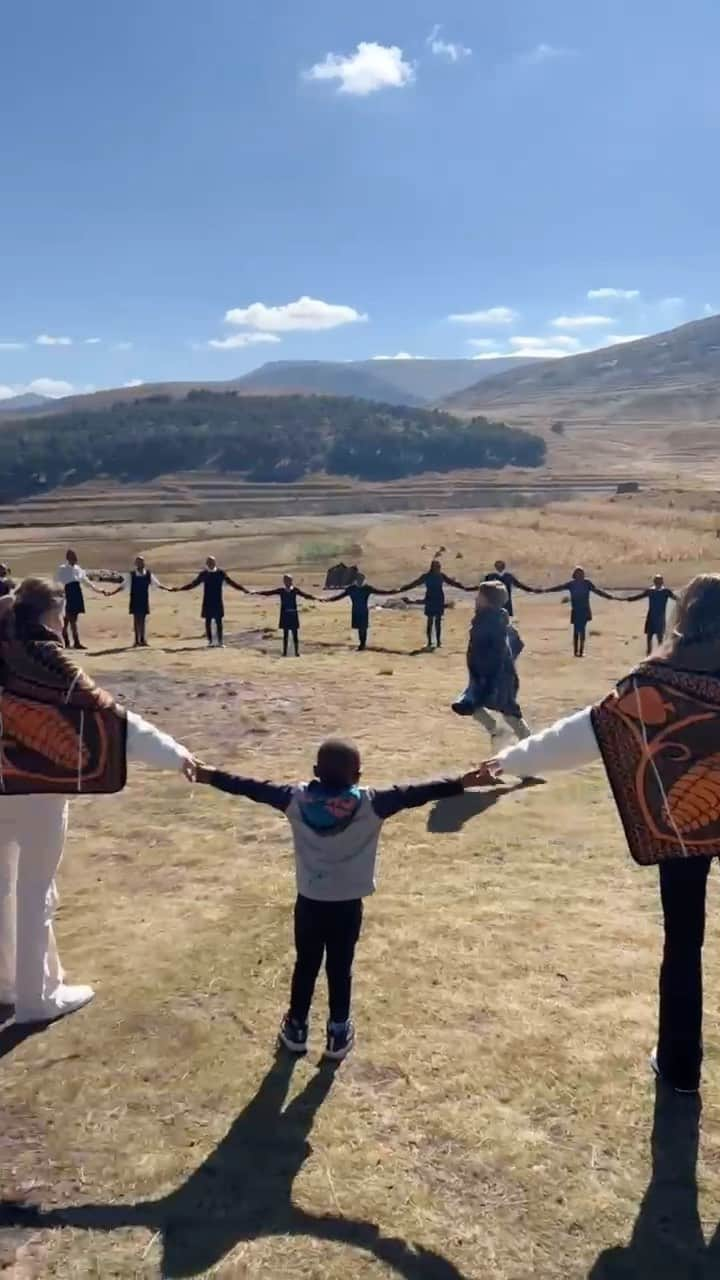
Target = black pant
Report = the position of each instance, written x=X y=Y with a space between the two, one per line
x=435 y=621
x=218 y=627
x=680 y=1050
x=658 y=634
x=362 y=637
x=139 y=628
x=579 y=629
x=330 y=929
x=70 y=627
x=287 y=632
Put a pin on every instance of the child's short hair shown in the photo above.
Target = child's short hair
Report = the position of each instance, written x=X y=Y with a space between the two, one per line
x=338 y=762
x=496 y=594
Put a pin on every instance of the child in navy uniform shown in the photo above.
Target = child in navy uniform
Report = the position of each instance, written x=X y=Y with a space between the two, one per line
x=336 y=829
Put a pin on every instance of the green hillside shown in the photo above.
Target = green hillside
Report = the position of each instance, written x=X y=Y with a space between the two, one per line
x=265 y=438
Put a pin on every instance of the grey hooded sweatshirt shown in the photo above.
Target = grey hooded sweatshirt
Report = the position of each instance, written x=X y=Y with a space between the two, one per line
x=336 y=832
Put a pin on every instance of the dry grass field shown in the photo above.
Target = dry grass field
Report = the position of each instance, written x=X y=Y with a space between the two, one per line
x=495 y=1120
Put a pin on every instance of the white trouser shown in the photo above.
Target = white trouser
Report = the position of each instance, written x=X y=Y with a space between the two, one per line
x=498 y=735
x=32 y=836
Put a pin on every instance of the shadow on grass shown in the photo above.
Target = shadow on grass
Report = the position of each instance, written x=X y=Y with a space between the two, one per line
x=452 y=814
x=12 y=1035
x=242 y=1192
x=667 y=1241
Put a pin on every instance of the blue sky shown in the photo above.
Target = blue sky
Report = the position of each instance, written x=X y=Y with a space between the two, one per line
x=176 y=173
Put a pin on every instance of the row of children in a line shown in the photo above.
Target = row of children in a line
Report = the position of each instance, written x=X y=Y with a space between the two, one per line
x=213 y=579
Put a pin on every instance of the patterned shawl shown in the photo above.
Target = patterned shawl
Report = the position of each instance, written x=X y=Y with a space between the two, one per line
x=659 y=737
x=59 y=733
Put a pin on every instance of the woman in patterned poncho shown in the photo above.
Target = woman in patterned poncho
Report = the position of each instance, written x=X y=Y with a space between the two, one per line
x=59 y=735
x=658 y=735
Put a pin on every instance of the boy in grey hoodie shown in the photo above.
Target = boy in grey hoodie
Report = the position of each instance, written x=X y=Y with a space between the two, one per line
x=336 y=830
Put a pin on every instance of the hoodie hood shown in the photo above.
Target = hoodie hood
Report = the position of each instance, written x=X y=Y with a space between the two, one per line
x=328 y=810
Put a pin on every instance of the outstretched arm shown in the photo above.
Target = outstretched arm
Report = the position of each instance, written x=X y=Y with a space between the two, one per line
x=568 y=744
x=544 y=591
x=641 y=595
x=157 y=583
x=410 y=586
x=277 y=797
x=305 y=594
x=273 y=591
x=598 y=591
x=331 y=599
x=393 y=800
x=237 y=586
x=453 y=582
x=522 y=586
x=189 y=586
x=385 y=591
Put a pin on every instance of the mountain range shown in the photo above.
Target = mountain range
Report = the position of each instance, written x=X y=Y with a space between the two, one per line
x=667 y=377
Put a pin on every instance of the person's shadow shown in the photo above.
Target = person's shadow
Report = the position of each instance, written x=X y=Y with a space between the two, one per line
x=243 y=1191
x=667 y=1242
x=450 y=815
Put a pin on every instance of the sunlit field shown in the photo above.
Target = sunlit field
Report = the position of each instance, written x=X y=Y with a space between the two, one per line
x=495 y=1119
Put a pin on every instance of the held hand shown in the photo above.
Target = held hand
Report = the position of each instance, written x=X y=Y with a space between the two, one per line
x=486 y=775
x=189 y=768
x=203 y=772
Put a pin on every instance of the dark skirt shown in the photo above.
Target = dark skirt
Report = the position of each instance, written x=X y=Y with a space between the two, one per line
x=289 y=620
x=74 y=599
x=580 y=615
x=360 y=618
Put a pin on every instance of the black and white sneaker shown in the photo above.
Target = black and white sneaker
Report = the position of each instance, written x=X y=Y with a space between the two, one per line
x=675 y=1088
x=293 y=1035
x=340 y=1041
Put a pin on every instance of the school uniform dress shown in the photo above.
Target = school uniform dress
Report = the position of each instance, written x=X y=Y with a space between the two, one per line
x=434 y=584
x=138 y=584
x=212 y=582
x=70 y=577
x=656 y=617
x=580 y=592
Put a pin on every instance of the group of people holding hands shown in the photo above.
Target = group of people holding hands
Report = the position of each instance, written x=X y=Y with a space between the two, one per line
x=139 y=582
x=657 y=734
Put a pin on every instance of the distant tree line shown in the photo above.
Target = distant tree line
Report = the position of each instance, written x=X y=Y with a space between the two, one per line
x=266 y=438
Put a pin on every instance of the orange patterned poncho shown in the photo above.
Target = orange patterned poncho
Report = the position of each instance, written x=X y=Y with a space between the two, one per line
x=59 y=733
x=659 y=736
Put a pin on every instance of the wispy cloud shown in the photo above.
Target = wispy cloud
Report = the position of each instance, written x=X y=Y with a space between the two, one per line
x=614 y=339
x=401 y=355
x=122 y=346
x=580 y=322
x=92 y=342
x=371 y=67
x=446 y=48
x=134 y=382
x=12 y=346
x=621 y=295
x=544 y=53
x=51 y=387
x=48 y=340
x=708 y=310
x=561 y=340
x=493 y=315
x=305 y=314
x=483 y=344
x=236 y=341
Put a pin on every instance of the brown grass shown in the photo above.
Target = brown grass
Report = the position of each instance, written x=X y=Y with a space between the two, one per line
x=494 y=1122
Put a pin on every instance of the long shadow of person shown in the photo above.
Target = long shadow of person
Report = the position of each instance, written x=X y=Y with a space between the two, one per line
x=667 y=1242
x=242 y=1192
x=450 y=815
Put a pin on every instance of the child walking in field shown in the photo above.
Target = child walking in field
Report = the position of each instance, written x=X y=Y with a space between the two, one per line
x=336 y=827
x=493 y=685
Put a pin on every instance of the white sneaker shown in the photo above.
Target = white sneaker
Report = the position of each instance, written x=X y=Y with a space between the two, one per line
x=65 y=1000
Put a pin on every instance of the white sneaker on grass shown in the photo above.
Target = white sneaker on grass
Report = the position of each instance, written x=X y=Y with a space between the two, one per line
x=64 y=1000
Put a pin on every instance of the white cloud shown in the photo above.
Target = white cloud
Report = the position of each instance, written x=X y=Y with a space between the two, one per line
x=47 y=340
x=238 y=340
x=446 y=48
x=622 y=295
x=560 y=340
x=305 y=314
x=539 y=352
x=371 y=67
x=494 y=315
x=483 y=344
x=580 y=322
x=402 y=355
x=672 y=303
x=614 y=339
x=51 y=387
x=92 y=342
x=123 y=346
x=12 y=346
x=544 y=53
x=134 y=382
x=708 y=310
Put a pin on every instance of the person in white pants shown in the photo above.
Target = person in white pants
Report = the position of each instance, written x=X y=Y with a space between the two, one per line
x=32 y=838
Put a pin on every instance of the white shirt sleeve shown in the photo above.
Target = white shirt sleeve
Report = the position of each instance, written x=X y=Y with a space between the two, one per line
x=154 y=581
x=148 y=745
x=568 y=744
